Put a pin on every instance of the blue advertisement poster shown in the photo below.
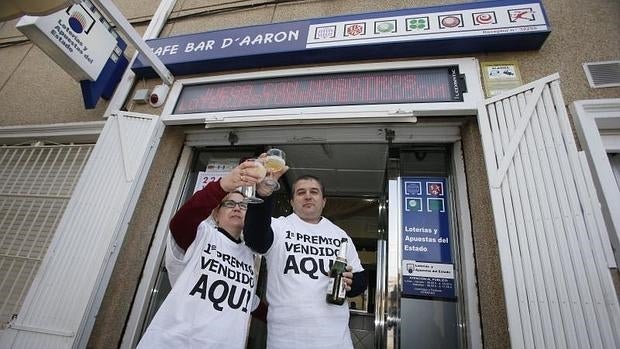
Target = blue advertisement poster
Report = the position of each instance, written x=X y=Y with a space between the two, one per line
x=428 y=269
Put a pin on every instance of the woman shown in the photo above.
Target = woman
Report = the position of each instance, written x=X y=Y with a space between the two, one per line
x=210 y=269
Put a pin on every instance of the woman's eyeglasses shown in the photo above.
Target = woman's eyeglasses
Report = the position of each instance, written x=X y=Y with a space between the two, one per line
x=232 y=204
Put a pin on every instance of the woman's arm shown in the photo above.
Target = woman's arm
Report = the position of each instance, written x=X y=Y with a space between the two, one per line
x=186 y=220
x=198 y=208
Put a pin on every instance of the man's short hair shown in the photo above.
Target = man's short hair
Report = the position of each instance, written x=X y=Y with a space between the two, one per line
x=308 y=178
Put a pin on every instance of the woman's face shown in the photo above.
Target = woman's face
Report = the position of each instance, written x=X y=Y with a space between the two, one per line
x=231 y=219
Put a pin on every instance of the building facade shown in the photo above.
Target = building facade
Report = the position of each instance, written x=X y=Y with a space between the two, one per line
x=521 y=155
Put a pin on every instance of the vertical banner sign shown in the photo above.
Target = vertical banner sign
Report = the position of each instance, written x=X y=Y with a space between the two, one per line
x=76 y=38
x=428 y=269
x=84 y=44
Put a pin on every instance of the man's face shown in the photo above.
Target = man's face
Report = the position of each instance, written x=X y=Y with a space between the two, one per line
x=308 y=200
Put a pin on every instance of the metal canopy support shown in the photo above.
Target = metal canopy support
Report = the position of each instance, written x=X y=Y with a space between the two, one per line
x=114 y=14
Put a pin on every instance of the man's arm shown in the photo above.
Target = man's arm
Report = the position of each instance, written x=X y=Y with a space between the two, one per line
x=358 y=286
x=186 y=220
x=261 y=311
x=257 y=230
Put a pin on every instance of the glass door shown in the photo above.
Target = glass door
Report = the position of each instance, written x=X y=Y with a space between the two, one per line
x=423 y=305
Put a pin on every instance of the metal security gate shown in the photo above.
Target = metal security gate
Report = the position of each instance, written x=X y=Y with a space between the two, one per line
x=60 y=307
x=36 y=182
x=550 y=231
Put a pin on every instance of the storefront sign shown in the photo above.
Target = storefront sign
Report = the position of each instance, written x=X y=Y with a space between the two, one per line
x=501 y=25
x=427 y=266
x=427 y=85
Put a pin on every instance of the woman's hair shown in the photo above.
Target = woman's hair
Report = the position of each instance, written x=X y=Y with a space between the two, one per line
x=233 y=192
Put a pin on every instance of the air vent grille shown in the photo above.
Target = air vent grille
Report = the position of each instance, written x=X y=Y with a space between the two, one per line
x=603 y=74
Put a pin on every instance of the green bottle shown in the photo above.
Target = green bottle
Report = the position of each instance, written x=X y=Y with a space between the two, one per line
x=336 y=292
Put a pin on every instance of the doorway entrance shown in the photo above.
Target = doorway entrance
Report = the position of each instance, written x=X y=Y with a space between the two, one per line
x=356 y=175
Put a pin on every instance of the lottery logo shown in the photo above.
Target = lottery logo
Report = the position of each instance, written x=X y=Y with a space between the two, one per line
x=417 y=23
x=484 y=18
x=521 y=15
x=434 y=188
x=325 y=32
x=450 y=21
x=385 y=27
x=413 y=204
x=80 y=20
x=356 y=29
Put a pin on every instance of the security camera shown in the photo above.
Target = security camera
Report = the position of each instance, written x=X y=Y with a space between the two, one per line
x=158 y=95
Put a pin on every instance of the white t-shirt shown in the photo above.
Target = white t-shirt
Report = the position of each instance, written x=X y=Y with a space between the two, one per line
x=298 y=263
x=213 y=285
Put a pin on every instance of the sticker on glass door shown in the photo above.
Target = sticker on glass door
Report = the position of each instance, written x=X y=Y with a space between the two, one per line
x=427 y=266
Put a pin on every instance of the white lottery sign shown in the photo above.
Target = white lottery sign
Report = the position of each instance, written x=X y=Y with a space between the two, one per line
x=214 y=171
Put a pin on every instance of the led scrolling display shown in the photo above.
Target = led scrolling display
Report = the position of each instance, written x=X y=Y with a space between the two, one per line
x=428 y=85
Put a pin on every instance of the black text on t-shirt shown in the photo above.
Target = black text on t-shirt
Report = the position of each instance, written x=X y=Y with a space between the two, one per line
x=309 y=254
x=219 y=283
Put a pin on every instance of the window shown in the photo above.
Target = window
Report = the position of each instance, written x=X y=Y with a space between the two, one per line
x=36 y=182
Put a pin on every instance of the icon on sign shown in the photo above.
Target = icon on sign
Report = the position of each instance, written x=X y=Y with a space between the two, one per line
x=80 y=20
x=484 y=18
x=417 y=23
x=521 y=15
x=325 y=32
x=413 y=204
x=435 y=205
x=410 y=267
x=434 y=188
x=413 y=188
x=355 y=29
x=385 y=27
x=451 y=21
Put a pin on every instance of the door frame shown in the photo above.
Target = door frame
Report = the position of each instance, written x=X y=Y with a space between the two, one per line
x=388 y=328
x=447 y=132
x=597 y=122
x=222 y=125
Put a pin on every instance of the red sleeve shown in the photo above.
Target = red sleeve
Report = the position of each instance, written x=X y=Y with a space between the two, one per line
x=186 y=220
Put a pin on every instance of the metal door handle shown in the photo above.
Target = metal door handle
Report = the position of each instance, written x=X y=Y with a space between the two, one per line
x=392 y=321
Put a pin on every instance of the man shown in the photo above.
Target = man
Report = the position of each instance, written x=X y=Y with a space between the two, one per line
x=299 y=250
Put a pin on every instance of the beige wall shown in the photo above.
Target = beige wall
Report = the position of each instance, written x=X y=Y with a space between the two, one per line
x=33 y=90
x=114 y=311
x=494 y=322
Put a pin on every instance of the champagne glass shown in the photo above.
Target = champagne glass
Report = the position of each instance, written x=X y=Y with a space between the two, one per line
x=249 y=191
x=274 y=162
